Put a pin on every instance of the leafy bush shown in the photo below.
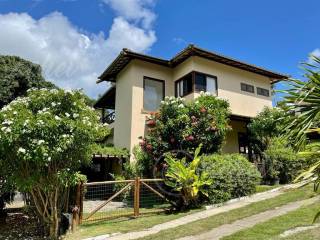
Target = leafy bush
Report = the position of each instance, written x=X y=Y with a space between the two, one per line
x=186 y=125
x=185 y=178
x=281 y=162
x=232 y=176
x=269 y=123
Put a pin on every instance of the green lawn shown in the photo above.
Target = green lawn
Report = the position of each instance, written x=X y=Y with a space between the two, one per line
x=263 y=188
x=125 y=224
x=229 y=217
x=274 y=227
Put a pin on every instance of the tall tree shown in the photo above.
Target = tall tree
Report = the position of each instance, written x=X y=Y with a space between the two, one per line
x=17 y=75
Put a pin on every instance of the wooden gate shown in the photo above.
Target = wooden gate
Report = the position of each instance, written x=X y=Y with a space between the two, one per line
x=124 y=198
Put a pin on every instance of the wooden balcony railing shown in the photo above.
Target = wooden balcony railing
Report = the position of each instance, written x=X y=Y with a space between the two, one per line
x=109 y=117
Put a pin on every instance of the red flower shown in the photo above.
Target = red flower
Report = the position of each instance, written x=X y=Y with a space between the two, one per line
x=190 y=138
x=149 y=147
x=203 y=110
x=151 y=123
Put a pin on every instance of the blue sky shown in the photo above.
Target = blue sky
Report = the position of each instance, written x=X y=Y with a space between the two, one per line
x=74 y=40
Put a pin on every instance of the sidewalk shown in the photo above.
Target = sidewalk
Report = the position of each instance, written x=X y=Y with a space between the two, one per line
x=229 y=229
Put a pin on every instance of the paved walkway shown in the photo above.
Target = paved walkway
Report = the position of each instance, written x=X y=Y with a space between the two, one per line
x=244 y=223
x=200 y=215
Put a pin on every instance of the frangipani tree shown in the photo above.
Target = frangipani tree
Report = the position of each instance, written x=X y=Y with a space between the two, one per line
x=44 y=139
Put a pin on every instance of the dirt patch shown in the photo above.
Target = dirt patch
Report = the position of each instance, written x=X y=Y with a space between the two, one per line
x=20 y=226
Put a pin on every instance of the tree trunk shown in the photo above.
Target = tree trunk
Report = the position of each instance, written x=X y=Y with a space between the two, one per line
x=54 y=225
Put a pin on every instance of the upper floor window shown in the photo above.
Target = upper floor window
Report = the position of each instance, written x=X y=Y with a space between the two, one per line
x=205 y=83
x=153 y=93
x=247 y=88
x=195 y=81
x=184 y=85
x=263 y=92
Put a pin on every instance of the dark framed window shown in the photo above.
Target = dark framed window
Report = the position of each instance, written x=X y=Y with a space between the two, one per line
x=153 y=93
x=247 y=87
x=184 y=85
x=263 y=92
x=243 y=143
x=196 y=81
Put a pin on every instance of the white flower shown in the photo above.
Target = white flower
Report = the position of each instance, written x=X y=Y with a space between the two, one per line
x=3 y=129
x=40 y=142
x=21 y=150
x=8 y=130
x=57 y=118
x=202 y=93
x=64 y=135
x=181 y=106
x=15 y=113
x=162 y=102
x=49 y=159
x=207 y=93
x=53 y=104
x=75 y=115
x=67 y=114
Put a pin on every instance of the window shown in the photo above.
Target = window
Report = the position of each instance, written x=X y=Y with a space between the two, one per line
x=247 y=88
x=205 y=83
x=263 y=92
x=201 y=82
x=184 y=85
x=243 y=143
x=153 y=93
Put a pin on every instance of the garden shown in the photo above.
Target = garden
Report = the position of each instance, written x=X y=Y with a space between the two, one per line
x=47 y=134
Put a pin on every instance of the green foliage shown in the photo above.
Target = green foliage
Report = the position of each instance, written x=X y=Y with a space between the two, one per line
x=282 y=162
x=44 y=139
x=304 y=97
x=269 y=123
x=232 y=176
x=185 y=125
x=17 y=76
x=143 y=164
x=185 y=178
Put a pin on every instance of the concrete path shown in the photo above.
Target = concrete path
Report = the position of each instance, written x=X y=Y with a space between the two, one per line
x=233 y=204
x=244 y=223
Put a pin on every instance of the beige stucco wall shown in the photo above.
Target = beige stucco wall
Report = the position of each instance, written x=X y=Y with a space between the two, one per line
x=231 y=144
x=123 y=108
x=229 y=79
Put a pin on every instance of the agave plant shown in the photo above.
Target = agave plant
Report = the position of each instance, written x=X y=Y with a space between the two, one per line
x=303 y=97
x=184 y=178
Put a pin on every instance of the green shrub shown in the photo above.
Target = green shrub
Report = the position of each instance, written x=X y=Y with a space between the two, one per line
x=281 y=162
x=185 y=125
x=232 y=176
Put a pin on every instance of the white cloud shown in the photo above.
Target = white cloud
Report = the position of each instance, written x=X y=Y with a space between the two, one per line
x=70 y=57
x=134 y=10
x=316 y=53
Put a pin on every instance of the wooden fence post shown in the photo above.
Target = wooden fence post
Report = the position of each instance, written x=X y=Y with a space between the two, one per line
x=81 y=202
x=136 y=197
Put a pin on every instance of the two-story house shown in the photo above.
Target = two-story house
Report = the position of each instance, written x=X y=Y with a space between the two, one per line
x=140 y=82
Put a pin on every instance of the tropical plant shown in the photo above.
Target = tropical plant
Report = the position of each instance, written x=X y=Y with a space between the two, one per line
x=186 y=179
x=303 y=98
x=232 y=176
x=44 y=138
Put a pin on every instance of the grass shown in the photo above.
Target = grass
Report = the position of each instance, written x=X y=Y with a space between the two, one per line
x=229 y=217
x=274 y=227
x=125 y=224
x=263 y=188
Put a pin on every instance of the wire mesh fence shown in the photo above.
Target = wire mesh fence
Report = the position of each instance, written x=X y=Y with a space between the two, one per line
x=114 y=199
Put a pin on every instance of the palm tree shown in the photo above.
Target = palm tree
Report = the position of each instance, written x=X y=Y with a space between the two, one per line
x=303 y=98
